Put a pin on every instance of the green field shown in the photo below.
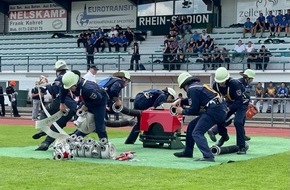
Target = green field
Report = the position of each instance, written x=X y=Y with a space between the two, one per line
x=266 y=166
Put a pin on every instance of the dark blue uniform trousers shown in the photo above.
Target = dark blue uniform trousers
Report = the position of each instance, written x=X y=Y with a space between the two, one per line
x=199 y=126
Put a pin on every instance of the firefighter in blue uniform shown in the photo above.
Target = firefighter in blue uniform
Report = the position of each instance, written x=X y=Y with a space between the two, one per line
x=54 y=89
x=199 y=96
x=113 y=86
x=93 y=97
x=237 y=102
x=149 y=99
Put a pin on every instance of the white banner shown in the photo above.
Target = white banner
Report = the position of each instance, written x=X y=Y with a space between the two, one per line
x=102 y=13
x=37 y=18
x=252 y=8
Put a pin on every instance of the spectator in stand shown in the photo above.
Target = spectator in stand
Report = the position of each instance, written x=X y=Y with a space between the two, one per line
x=100 y=32
x=252 y=55
x=93 y=38
x=187 y=36
x=174 y=43
x=262 y=20
x=135 y=56
x=195 y=36
x=258 y=27
x=204 y=35
x=207 y=58
x=271 y=23
x=82 y=39
x=172 y=58
x=225 y=57
x=259 y=92
x=263 y=58
x=91 y=74
x=113 y=42
x=119 y=29
x=112 y=32
x=200 y=44
x=185 y=23
x=12 y=95
x=248 y=27
x=180 y=59
x=166 y=53
x=173 y=28
x=216 y=58
x=100 y=43
x=36 y=100
x=90 y=53
x=2 y=102
x=287 y=16
x=283 y=25
x=270 y=92
x=191 y=47
x=239 y=51
x=209 y=43
x=129 y=35
x=179 y=24
x=282 y=92
x=182 y=44
x=122 y=42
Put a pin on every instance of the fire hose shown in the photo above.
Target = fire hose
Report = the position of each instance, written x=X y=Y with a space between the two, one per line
x=216 y=150
x=127 y=111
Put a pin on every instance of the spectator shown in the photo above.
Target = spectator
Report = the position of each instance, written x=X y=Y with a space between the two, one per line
x=172 y=58
x=113 y=42
x=262 y=20
x=174 y=43
x=129 y=35
x=2 y=102
x=179 y=24
x=216 y=59
x=263 y=58
x=283 y=26
x=287 y=16
x=122 y=42
x=271 y=23
x=112 y=32
x=248 y=26
x=173 y=28
x=135 y=57
x=36 y=100
x=209 y=43
x=119 y=29
x=100 y=43
x=191 y=47
x=204 y=35
x=251 y=54
x=12 y=95
x=282 y=92
x=91 y=74
x=187 y=36
x=180 y=59
x=82 y=39
x=90 y=52
x=195 y=35
x=270 y=92
x=259 y=92
x=185 y=23
x=225 y=57
x=258 y=27
x=200 y=44
x=239 y=51
x=182 y=44
x=207 y=58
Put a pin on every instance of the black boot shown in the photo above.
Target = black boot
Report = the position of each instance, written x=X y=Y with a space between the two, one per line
x=183 y=154
x=43 y=146
x=247 y=138
x=223 y=140
x=211 y=135
x=133 y=135
x=38 y=135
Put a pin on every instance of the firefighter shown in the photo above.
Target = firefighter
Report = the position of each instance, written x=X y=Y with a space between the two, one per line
x=149 y=99
x=12 y=95
x=54 y=89
x=93 y=97
x=237 y=102
x=199 y=96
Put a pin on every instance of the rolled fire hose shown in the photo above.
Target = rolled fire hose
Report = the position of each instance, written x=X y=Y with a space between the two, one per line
x=127 y=111
x=216 y=150
x=172 y=110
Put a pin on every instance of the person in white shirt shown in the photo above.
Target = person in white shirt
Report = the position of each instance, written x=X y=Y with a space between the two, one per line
x=239 y=51
x=91 y=74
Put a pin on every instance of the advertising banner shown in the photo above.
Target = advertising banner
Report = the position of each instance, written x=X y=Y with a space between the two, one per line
x=103 y=13
x=159 y=25
x=252 y=8
x=37 y=18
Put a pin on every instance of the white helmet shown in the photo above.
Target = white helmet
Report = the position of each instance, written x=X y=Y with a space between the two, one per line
x=221 y=75
x=69 y=79
x=249 y=73
x=171 y=92
x=182 y=79
x=60 y=65
x=123 y=73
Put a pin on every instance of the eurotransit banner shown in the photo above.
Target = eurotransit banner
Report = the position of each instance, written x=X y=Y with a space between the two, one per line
x=252 y=8
x=103 y=13
x=37 y=18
